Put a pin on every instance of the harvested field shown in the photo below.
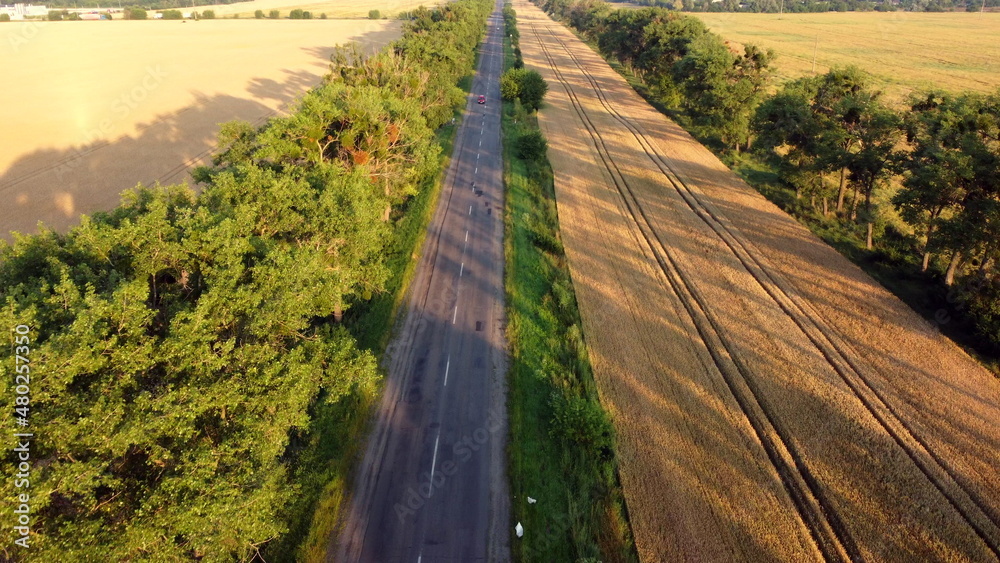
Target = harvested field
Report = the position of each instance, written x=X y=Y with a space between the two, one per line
x=772 y=402
x=90 y=109
x=904 y=51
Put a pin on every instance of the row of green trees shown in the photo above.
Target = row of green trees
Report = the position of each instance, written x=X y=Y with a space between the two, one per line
x=801 y=6
x=180 y=342
x=924 y=182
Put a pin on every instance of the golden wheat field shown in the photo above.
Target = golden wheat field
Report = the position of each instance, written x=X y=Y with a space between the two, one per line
x=332 y=8
x=770 y=400
x=904 y=51
x=90 y=109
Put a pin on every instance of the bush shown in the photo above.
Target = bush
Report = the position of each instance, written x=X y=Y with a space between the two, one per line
x=322 y=16
x=55 y=15
x=4 y=17
x=274 y=14
x=582 y=423
x=531 y=146
x=208 y=14
x=194 y=15
x=307 y=15
x=510 y=84
x=533 y=89
x=258 y=14
x=173 y=15
x=374 y=14
x=295 y=14
x=525 y=85
x=134 y=13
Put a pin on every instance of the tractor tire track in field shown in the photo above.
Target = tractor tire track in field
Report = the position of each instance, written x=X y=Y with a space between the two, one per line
x=820 y=519
x=838 y=354
x=816 y=511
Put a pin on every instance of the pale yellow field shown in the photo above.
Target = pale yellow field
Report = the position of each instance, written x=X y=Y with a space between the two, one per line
x=92 y=108
x=905 y=51
x=332 y=8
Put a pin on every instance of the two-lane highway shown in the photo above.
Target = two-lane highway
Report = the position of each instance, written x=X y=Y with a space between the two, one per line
x=432 y=485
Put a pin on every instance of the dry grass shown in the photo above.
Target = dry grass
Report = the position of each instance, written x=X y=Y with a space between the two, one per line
x=91 y=108
x=332 y=8
x=680 y=320
x=905 y=51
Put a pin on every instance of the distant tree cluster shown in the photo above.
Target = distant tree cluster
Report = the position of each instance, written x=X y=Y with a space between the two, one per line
x=145 y=4
x=797 y=6
x=134 y=13
x=835 y=141
x=180 y=342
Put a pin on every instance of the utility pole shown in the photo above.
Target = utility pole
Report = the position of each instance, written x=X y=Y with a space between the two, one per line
x=781 y=10
x=815 y=48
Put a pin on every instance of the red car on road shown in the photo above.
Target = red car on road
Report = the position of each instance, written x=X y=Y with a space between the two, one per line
x=481 y=100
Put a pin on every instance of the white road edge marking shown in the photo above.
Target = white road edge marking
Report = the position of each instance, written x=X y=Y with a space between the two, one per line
x=448 y=365
x=466 y=235
x=470 y=210
x=455 y=314
x=435 y=458
x=462 y=270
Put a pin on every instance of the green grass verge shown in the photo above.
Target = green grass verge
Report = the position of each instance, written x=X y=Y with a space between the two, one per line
x=561 y=446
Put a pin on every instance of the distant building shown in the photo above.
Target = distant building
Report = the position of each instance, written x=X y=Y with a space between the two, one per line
x=21 y=11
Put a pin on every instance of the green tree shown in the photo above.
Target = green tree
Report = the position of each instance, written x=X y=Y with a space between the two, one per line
x=295 y=14
x=841 y=95
x=531 y=146
x=525 y=85
x=357 y=126
x=374 y=14
x=510 y=84
x=722 y=89
x=875 y=161
x=533 y=89
x=4 y=17
x=172 y=15
x=274 y=14
x=950 y=187
x=208 y=14
x=168 y=332
x=258 y=14
x=786 y=127
x=134 y=13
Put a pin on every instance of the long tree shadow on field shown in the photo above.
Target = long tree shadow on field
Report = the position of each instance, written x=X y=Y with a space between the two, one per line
x=55 y=186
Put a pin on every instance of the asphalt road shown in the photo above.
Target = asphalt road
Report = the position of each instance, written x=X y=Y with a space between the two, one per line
x=432 y=485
